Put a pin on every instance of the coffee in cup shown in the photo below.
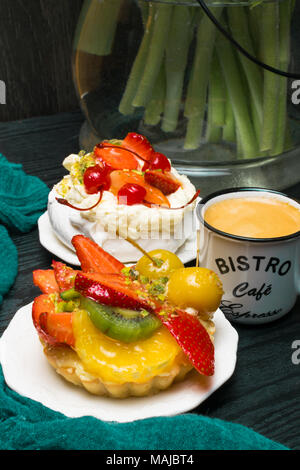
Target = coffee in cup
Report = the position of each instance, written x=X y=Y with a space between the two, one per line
x=251 y=238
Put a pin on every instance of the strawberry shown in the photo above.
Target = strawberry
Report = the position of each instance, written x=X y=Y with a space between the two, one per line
x=193 y=339
x=115 y=157
x=45 y=280
x=53 y=328
x=93 y=258
x=165 y=182
x=110 y=290
x=65 y=276
x=139 y=144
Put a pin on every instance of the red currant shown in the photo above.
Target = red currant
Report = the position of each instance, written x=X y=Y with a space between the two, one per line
x=131 y=193
x=96 y=178
x=159 y=161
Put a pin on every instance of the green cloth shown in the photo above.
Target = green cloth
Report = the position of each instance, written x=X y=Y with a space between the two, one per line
x=9 y=262
x=23 y=198
x=28 y=425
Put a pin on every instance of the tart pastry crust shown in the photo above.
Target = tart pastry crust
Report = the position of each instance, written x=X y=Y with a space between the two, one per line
x=67 y=363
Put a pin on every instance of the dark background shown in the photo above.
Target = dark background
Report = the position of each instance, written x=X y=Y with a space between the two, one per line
x=35 y=48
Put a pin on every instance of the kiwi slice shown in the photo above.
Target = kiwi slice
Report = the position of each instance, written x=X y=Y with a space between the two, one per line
x=70 y=294
x=119 y=323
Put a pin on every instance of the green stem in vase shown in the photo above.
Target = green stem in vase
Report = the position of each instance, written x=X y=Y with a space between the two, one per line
x=97 y=40
x=176 y=59
x=138 y=67
x=269 y=40
x=197 y=88
x=161 y=26
x=254 y=18
x=155 y=107
x=216 y=116
x=285 y=12
x=238 y=22
x=238 y=97
x=229 y=126
x=144 y=9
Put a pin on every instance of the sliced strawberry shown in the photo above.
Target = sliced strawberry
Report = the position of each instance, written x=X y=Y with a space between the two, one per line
x=45 y=280
x=65 y=276
x=139 y=144
x=116 y=158
x=53 y=328
x=165 y=182
x=59 y=326
x=110 y=290
x=193 y=339
x=93 y=258
x=121 y=177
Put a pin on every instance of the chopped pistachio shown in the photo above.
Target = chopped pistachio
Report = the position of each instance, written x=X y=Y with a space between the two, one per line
x=144 y=313
x=161 y=297
x=144 y=279
x=126 y=271
x=158 y=262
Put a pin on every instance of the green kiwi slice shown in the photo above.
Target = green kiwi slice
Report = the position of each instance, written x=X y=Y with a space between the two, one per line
x=119 y=323
x=69 y=294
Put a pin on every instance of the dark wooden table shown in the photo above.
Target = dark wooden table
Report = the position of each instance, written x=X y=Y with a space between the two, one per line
x=263 y=392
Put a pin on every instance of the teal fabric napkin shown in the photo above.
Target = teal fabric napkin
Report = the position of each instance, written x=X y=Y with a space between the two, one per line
x=23 y=198
x=28 y=425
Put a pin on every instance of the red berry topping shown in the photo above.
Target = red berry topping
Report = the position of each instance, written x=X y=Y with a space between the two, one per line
x=96 y=178
x=45 y=280
x=165 y=182
x=194 y=340
x=159 y=161
x=116 y=157
x=131 y=193
x=109 y=289
x=93 y=258
x=139 y=144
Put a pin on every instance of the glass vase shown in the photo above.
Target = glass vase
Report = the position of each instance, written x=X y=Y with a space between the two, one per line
x=163 y=69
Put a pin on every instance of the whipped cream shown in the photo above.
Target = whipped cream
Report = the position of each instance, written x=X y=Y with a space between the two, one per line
x=109 y=223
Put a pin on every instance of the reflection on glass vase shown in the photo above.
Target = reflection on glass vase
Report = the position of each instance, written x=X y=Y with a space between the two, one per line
x=162 y=68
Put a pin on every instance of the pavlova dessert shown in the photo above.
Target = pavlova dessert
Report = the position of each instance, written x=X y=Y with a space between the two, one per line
x=122 y=191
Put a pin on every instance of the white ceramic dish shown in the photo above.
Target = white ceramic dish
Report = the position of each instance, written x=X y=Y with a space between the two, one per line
x=51 y=242
x=27 y=371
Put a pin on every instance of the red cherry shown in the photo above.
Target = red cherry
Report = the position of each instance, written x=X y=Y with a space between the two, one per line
x=131 y=193
x=159 y=161
x=96 y=178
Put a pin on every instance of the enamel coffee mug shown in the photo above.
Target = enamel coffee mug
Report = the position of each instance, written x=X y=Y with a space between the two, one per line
x=260 y=276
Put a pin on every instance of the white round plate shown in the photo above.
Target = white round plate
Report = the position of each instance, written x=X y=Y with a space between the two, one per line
x=27 y=372
x=51 y=242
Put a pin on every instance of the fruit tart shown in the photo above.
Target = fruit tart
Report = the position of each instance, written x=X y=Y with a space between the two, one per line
x=117 y=330
x=123 y=188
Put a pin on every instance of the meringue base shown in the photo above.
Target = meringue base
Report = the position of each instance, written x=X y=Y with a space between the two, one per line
x=67 y=363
